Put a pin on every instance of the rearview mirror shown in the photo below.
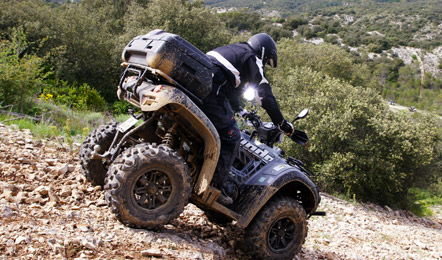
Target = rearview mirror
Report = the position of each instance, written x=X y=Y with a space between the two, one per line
x=301 y=114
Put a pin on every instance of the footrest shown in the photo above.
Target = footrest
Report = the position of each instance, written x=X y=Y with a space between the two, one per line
x=211 y=195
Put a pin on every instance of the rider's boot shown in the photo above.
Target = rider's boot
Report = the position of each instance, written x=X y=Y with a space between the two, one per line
x=224 y=200
x=228 y=193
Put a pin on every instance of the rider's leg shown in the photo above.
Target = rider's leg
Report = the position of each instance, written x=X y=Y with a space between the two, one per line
x=220 y=113
x=230 y=137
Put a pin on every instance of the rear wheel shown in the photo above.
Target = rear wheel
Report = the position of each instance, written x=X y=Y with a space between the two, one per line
x=278 y=231
x=148 y=186
x=95 y=169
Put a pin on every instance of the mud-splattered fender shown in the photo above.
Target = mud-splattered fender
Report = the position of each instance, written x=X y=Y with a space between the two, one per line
x=155 y=97
x=275 y=179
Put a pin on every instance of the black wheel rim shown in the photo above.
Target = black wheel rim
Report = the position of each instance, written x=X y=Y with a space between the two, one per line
x=281 y=234
x=152 y=190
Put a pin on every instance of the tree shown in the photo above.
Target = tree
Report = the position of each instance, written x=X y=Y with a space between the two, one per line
x=327 y=58
x=190 y=20
x=21 y=75
x=357 y=144
x=293 y=22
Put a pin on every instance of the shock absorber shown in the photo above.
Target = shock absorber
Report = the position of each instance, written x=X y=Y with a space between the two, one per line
x=168 y=138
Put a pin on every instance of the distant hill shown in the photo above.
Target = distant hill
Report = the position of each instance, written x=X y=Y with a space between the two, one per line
x=288 y=7
x=284 y=6
x=381 y=23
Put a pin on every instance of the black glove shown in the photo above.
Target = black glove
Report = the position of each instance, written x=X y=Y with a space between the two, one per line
x=287 y=127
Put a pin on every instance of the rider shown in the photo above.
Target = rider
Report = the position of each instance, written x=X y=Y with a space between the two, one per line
x=235 y=66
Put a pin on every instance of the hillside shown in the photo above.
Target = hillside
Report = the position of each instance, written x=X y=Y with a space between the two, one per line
x=48 y=211
x=400 y=42
x=282 y=6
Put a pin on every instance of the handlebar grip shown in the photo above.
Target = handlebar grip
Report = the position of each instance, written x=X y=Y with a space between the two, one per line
x=299 y=137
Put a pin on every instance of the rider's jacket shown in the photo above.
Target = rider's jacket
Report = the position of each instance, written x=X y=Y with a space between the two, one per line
x=242 y=68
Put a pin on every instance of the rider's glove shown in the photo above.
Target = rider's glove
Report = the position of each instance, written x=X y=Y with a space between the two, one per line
x=287 y=127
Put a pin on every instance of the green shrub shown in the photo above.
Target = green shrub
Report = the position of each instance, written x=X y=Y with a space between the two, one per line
x=40 y=130
x=294 y=22
x=120 y=107
x=21 y=75
x=80 y=98
x=58 y=115
x=358 y=145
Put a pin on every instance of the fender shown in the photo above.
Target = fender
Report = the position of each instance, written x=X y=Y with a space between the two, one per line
x=156 y=97
x=277 y=178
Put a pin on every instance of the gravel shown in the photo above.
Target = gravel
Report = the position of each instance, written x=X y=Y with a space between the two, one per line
x=49 y=211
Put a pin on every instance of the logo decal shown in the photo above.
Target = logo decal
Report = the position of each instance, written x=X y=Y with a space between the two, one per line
x=256 y=151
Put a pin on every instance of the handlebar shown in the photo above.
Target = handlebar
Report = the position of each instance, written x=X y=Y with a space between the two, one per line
x=269 y=133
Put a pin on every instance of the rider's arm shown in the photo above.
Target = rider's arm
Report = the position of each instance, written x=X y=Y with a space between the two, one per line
x=235 y=102
x=265 y=95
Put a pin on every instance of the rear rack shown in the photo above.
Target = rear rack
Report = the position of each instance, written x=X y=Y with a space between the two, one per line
x=142 y=72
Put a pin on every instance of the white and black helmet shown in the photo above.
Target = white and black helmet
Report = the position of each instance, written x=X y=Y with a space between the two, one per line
x=265 y=48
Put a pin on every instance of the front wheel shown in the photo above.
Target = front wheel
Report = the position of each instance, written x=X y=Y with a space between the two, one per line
x=278 y=231
x=95 y=169
x=148 y=186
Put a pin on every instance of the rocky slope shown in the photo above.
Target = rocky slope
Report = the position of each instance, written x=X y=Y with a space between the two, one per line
x=49 y=211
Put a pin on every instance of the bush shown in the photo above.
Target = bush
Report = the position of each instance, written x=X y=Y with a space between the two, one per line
x=58 y=116
x=80 y=98
x=121 y=107
x=21 y=75
x=358 y=145
x=294 y=22
x=330 y=59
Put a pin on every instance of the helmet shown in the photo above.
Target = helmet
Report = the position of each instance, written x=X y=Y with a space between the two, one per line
x=265 y=48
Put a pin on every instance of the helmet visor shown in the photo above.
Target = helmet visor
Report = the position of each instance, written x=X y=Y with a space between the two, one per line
x=272 y=61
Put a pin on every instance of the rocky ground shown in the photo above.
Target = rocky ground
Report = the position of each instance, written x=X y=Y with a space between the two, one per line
x=49 y=211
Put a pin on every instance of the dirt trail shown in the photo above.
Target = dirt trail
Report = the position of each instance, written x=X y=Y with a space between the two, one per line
x=49 y=211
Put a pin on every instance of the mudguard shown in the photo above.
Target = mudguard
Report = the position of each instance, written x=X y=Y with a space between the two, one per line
x=274 y=178
x=156 y=97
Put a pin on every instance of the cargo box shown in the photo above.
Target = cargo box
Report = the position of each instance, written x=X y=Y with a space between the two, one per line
x=174 y=56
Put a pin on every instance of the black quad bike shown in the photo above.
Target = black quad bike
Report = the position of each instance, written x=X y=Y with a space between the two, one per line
x=164 y=156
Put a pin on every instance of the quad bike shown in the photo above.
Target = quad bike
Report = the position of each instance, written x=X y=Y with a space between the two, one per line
x=164 y=156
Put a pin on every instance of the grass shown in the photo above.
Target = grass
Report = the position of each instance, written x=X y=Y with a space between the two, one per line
x=61 y=123
x=39 y=130
x=56 y=120
x=424 y=200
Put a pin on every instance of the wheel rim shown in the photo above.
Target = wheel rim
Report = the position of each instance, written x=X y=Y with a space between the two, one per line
x=152 y=190
x=281 y=234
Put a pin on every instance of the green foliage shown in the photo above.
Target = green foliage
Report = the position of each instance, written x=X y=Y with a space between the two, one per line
x=84 y=40
x=329 y=59
x=120 y=107
x=403 y=84
x=80 y=38
x=357 y=143
x=79 y=97
x=57 y=116
x=190 y=20
x=424 y=200
x=293 y=22
x=21 y=75
x=40 y=130
x=397 y=22
x=285 y=7
x=276 y=32
x=242 y=20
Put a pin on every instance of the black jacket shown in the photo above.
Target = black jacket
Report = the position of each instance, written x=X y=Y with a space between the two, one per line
x=242 y=67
